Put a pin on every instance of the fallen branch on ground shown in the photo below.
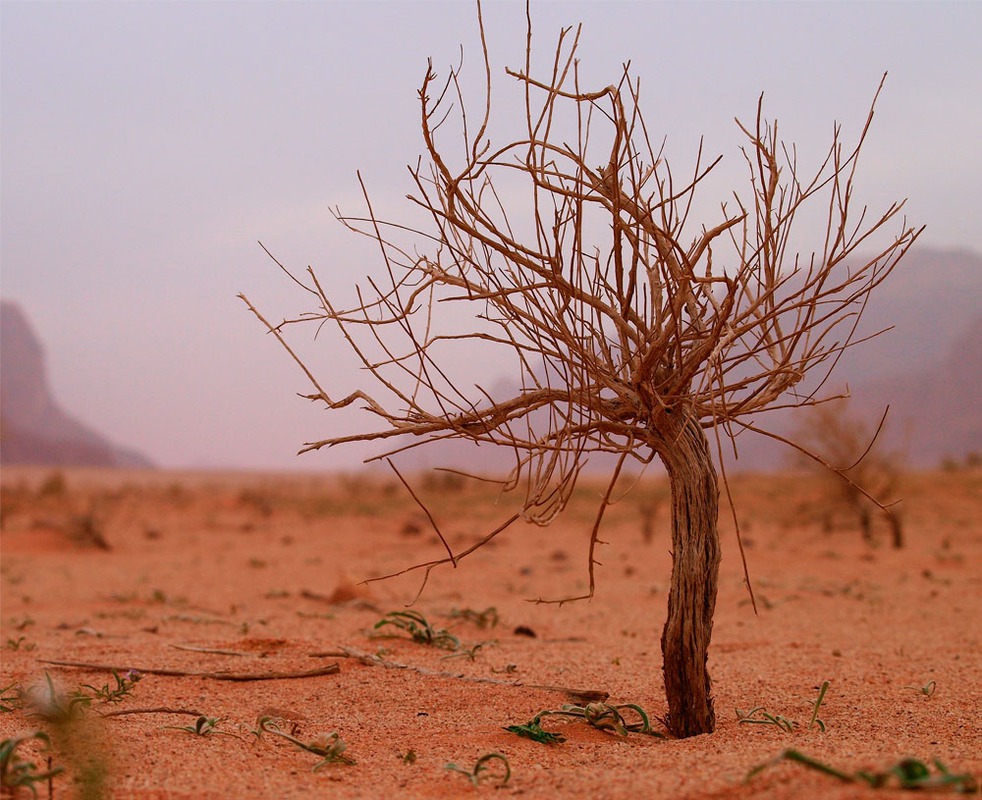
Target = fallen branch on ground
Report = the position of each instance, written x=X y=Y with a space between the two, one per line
x=582 y=695
x=159 y=710
x=330 y=669
x=212 y=650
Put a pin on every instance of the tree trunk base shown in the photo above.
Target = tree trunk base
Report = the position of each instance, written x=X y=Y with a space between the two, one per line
x=695 y=575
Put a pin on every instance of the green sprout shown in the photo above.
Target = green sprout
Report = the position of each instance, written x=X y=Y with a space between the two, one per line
x=15 y=773
x=927 y=689
x=419 y=630
x=758 y=716
x=330 y=747
x=818 y=704
x=483 y=766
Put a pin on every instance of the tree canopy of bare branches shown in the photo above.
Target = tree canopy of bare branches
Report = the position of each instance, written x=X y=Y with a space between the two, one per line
x=634 y=330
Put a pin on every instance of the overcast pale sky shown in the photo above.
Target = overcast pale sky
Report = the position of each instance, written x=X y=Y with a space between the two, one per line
x=147 y=146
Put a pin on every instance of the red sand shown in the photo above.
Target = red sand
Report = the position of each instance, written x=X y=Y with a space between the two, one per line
x=269 y=570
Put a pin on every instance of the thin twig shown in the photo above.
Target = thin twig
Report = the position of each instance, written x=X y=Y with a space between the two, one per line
x=159 y=710
x=330 y=669
x=214 y=650
x=429 y=516
x=370 y=660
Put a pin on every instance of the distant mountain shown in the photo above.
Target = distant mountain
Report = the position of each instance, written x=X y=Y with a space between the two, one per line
x=930 y=300
x=33 y=427
x=928 y=368
x=936 y=411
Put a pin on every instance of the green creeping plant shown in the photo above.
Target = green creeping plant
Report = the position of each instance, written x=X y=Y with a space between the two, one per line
x=534 y=731
x=908 y=773
x=758 y=716
x=602 y=716
x=330 y=747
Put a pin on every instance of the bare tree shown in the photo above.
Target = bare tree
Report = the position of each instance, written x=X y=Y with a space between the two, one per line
x=844 y=439
x=632 y=335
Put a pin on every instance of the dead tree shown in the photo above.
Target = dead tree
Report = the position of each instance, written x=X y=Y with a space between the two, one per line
x=632 y=334
x=853 y=446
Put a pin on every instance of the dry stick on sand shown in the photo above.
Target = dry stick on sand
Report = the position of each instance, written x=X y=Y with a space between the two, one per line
x=330 y=669
x=212 y=650
x=581 y=695
x=189 y=712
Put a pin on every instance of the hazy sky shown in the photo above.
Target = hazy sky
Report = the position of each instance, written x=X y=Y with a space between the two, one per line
x=147 y=146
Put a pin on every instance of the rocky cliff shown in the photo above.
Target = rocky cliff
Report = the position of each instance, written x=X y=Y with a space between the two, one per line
x=34 y=429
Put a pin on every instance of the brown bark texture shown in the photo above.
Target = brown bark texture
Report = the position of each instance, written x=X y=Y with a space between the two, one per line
x=695 y=570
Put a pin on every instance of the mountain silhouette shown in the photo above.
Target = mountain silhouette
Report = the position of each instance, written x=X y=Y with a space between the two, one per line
x=926 y=365
x=34 y=429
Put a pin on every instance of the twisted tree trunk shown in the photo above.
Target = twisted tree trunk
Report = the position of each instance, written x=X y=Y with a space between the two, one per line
x=695 y=573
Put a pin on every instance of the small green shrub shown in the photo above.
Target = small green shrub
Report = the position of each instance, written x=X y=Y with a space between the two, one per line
x=122 y=689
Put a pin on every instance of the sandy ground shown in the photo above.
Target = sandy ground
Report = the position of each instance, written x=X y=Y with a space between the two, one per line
x=258 y=575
